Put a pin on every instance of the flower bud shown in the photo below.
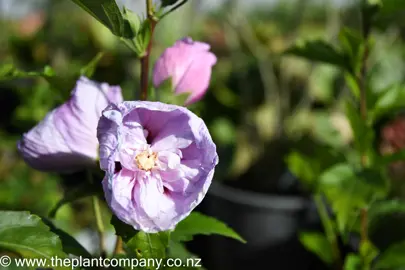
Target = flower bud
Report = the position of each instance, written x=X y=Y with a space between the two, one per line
x=188 y=64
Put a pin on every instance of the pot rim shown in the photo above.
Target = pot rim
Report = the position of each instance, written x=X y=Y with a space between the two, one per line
x=256 y=199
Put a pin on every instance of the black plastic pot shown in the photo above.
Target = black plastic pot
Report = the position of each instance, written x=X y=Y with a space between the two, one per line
x=269 y=223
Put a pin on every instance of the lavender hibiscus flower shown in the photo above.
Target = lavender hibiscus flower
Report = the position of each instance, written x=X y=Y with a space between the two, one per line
x=66 y=139
x=159 y=161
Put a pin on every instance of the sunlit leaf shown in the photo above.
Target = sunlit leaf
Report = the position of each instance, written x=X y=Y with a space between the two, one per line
x=318 y=244
x=27 y=235
x=108 y=13
x=197 y=223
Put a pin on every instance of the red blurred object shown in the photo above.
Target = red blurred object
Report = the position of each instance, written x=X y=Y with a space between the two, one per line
x=31 y=24
x=392 y=141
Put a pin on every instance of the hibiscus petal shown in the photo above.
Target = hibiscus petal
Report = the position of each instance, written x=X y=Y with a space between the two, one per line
x=45 y=149
x=157 y=206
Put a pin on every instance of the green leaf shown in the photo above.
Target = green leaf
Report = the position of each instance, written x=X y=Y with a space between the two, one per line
x=392 y=258
x=133 y=20
x=368 y=252
x=143 y=38
x=324 y=130
x=352 y=262
x=88 y=70
x=25 y=234
x=304 y=167
x=78 y=192
x=9 y=72
x=142 y=244
x=197 y=223
x=390 y=100
x=149 y=245
x=178 y=250
x=382 y=208
x=386 y=220
x=370 y=10
x=349 y=190
x=390 y=158
x=321 y=51
x=351 y=41
x=6 y=69
x=374 y=2
x=352 y=84
x=122 y=229
x=352 y=45
x=69 y=244
x=166 y=3
x=362 y=132
x=318 y=244
x=108 y=13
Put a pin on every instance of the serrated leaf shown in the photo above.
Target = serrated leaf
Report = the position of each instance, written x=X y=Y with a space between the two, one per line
x=178 y=250
x=149 y=245
x=88 y=70
x=142 y=40
x=321 y=51
x=348 y=190
x=133 y=20
x=108 y=13
x=141 y=244
x=197 y=223
x=69 y=244
x=27 y=235
x=318 y=244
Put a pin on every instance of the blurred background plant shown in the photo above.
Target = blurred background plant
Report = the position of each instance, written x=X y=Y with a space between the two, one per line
x=259 y=107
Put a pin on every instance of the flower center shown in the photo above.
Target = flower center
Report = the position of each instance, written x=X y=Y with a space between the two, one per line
x=146 y=160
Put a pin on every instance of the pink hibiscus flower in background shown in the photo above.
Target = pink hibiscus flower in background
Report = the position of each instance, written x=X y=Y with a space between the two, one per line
x=66 y=139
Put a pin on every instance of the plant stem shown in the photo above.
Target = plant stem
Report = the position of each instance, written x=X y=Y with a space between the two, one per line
x=118 y=249
x=99 y=220
x=329 y=230
x=145 y=58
